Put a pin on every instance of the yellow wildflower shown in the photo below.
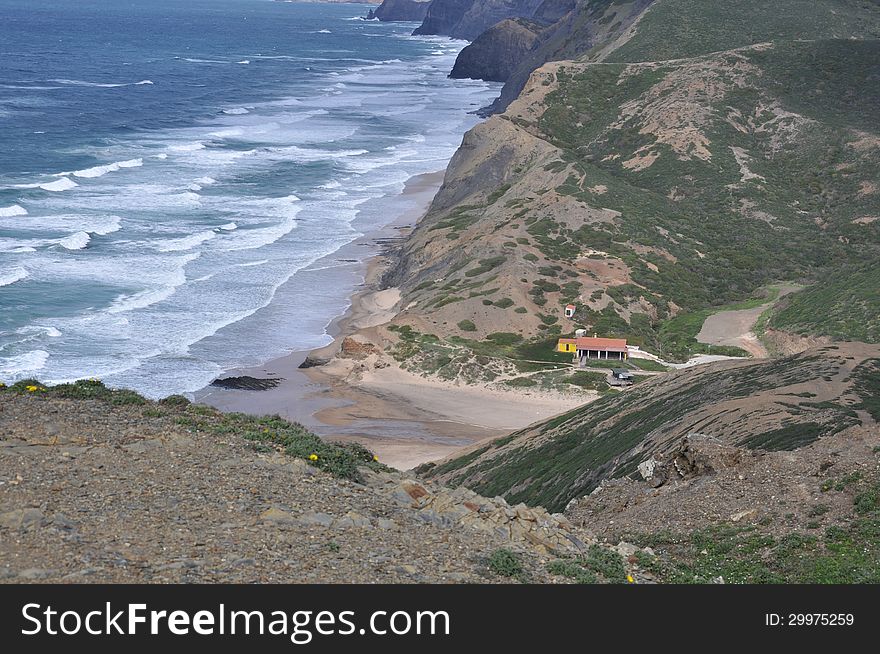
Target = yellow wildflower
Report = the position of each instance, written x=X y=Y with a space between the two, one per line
x=630 y=579
x=313 y=457
x=375 y=458
x=31 y=389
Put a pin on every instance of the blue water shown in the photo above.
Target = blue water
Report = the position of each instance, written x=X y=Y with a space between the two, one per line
x=174 y=175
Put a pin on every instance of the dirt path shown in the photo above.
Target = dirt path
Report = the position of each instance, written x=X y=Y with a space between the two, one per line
x=734 y=328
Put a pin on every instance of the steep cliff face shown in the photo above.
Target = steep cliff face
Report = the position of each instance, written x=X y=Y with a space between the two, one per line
x=400 y=10
x=494 y=55
x=443 y=16
x=467 y=19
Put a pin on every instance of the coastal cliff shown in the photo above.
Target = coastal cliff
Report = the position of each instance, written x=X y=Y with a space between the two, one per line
x=467 y=19
x=621 y=181
x=495 y=54
x=400 y=10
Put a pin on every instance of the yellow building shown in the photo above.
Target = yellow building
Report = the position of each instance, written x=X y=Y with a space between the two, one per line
x=567 y=345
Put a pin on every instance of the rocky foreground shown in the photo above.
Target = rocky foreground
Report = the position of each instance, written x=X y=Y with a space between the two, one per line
x=119 y=489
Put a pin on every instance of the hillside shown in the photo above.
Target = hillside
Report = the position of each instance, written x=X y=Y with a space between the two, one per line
x=650 y=193
x=771 y=405
x=771 y=466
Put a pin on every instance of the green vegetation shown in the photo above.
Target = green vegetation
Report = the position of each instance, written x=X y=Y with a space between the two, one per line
x=467 y=326
x=506 y=563
x=847 y=554
x=845 y=306
x=83 y=389
x=685 y=28
x=599 y=565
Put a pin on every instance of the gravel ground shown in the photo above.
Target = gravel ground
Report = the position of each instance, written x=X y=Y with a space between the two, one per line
x=91 y=492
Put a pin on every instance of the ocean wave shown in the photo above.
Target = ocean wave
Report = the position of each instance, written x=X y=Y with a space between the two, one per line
x=194 y=60
x=100 y=171
x=244 y=62
x=23 y=363
x=14 y=210
x=12 y=275
x=187 y=147
x=251 y=239
x=228 y=227
x=323 y=32
x=186 y=242
x=77 y=82
x=238 y=111
x=59 y=185
x=151 y=296
x=39 y=330
x=76 y=241
x=99 y=225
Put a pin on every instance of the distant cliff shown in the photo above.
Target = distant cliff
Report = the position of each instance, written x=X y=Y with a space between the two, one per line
x=467 y=19
x=400 y=10
x=496 y=53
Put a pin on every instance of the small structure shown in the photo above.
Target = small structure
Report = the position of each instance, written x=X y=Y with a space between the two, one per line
x=622 y=374
x=569 y=310
x=585 y=348
x=567 y=345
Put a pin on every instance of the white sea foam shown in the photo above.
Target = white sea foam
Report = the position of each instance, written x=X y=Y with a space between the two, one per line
x=62 y=184
x=12 y=275
x=100 y=171
x=194 y=60
x=150 y=296
x=23 y=363
x=251 y=264
x=39 y=330
x=229 y=227
x=14 y=210
x=244 y=61
x=252 y=239
x=76 y=241
x=185 y=242
x=187 y=147
x=324 y=32
x=100 y=225
x=238 y=111
x=77 y=82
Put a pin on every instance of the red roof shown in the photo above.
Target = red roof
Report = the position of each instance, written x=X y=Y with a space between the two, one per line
x=610 y=344
x=570 y=306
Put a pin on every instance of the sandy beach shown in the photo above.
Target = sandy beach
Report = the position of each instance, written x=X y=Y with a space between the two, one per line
x=406 y=419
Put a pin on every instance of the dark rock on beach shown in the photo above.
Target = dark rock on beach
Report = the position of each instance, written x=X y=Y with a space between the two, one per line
x=247 y=383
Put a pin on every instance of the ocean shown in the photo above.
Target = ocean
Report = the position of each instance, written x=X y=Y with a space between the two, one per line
x=174 y=175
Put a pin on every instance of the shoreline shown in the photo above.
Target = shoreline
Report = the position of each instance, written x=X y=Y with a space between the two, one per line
x=405 y=419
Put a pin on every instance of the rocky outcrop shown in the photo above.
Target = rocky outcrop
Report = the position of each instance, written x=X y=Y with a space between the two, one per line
x=400 y=10
x=467 y=19
x=495 y=54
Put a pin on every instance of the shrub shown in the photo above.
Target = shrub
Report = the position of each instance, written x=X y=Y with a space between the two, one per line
x=467 y=326
x=505 y=563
